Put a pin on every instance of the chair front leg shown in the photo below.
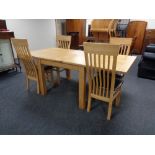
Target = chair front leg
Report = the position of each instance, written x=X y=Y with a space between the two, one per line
x=109 y=110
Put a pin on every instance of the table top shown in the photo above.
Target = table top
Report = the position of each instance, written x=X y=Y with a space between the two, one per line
x=76 y=57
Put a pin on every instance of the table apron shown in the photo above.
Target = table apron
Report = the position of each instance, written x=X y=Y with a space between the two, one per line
x=61 y=64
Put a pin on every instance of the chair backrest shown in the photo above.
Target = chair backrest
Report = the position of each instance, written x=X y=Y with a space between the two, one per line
x=125 y=44
x=23 y=53
x=101 y=62
x=63 y=41
x=113 y=27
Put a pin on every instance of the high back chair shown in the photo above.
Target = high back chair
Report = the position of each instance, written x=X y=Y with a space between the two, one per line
x=101 y=62
x=113 y=28
x=125 y=44
x=65 y=43
x=23 y=53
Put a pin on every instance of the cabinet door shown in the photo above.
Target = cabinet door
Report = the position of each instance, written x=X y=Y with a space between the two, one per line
x=6 y=55
x=136 y=30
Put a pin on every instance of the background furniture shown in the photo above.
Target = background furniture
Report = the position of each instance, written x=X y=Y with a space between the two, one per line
x=102 y=29
x=77 y=29
x=113 y=29
x=136 y=30
x=149 y=37
x=146 y=66
x=122 y=26
x=7 y=59
x=101 y=76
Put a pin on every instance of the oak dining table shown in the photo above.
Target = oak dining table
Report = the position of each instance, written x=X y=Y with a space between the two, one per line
x=73 y=60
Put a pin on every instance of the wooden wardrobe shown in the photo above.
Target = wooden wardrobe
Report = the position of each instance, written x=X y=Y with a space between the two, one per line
x=77 y=29
x=136 y=30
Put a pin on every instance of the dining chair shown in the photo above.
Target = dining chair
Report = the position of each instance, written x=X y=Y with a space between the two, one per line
x=101 y=62
x=23 y=53
x=64 y=42
x=112 y=32
x=125 y=44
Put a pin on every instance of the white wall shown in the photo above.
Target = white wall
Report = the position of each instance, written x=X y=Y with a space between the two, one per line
x=41 y=33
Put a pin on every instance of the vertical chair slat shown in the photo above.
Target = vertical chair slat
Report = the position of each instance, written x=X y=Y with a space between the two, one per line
x=104 y=76
x=100 y=77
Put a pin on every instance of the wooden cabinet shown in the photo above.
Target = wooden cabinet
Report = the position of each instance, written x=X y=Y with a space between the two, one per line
x=6 y=57
x=6 y=52
x=77 y=29
x=136 y=30
x=149 y=37
x=7 y=60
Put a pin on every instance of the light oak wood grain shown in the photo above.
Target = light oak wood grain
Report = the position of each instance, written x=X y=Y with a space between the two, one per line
x=76 y=57
x=23 y=53
x=73 y=60
x=125 y=44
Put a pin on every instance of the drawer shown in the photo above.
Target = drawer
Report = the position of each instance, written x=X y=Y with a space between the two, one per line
x=150 y=33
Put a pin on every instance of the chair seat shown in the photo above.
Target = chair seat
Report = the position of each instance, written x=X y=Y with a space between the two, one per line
x=118 y=84
x=119 y=75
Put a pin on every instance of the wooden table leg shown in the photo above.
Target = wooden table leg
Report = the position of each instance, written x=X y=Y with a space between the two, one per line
x=42 y=82
x=82 y=88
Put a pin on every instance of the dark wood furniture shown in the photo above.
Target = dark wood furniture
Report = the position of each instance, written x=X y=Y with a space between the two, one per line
x=136 y=30
x=7 y=59
x=3 y=25
x=149 y=37
x=77 y=29
x=6 y=34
